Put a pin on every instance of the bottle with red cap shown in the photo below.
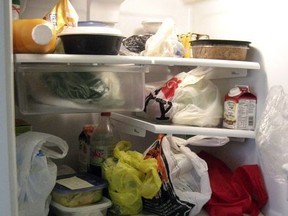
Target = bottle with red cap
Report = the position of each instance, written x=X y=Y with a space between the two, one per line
x=102 y=144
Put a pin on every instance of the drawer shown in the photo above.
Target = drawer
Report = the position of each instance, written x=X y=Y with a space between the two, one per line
x=72 y=88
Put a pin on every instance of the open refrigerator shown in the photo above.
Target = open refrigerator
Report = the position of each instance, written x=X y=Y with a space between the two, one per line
x=259 y=22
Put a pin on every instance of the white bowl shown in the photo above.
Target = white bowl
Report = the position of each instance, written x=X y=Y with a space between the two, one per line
x=151 y=26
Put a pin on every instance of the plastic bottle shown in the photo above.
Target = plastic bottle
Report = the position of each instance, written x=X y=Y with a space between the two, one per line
x=102 y=144
x=33 y=36
x=84 y=147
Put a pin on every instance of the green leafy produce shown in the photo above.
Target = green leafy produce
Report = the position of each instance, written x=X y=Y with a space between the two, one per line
x=76 y=85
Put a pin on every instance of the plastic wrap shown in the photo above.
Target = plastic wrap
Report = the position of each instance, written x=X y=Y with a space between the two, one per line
x=271 y=134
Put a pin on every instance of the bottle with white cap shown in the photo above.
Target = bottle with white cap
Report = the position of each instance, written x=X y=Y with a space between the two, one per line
x=33 y=36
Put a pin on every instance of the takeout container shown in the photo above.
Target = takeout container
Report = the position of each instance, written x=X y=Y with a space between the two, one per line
x=87 y=88
x=93 y=38
x=78 y=189
x=100 y=209
x=220 y=49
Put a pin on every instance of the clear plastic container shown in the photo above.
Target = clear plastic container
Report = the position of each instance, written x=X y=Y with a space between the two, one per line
x=63 y=88
x=220 y=49
x=98 y=209
x=78 y=189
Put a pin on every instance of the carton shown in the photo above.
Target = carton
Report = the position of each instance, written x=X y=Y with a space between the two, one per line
x=240 y=109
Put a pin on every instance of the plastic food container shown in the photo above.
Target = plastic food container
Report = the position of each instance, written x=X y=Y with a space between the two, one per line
x=99 y=209
x=151 y=26
x=220 y=49
x=94 y=38
x=62 y=88
x=78 y=189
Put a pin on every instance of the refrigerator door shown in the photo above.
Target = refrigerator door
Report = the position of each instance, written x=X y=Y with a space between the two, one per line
x=8 y=184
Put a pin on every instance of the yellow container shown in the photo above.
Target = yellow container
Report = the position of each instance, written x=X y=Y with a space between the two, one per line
x=33 y=36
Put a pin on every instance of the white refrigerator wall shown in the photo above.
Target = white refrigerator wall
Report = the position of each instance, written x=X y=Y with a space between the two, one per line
x=261 y=22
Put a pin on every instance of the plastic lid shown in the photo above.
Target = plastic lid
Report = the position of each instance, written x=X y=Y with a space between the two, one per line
x=96 y=183
x=234 y=92
x=92 y=23
x=42 y=34
x=94 y=30
x=219 y=42
x=106 y=114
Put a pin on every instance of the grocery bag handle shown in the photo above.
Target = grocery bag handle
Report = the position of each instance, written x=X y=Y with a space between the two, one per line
x=54 y=147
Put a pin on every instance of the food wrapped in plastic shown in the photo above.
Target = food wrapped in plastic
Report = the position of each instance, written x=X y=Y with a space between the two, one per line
x=76 y=89
x=136 y=43
x=81 y=87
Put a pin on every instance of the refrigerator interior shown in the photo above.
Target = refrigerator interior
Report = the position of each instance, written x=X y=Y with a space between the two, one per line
x=256 y=21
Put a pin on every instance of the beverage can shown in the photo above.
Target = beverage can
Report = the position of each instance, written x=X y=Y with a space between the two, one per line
x=240 y=109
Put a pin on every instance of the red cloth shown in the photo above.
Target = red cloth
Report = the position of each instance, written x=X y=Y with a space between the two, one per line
x=234 y=193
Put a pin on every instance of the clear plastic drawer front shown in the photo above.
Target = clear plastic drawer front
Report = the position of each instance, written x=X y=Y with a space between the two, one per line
x=64 y=88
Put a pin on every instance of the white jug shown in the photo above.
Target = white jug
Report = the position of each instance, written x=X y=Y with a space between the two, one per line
x=104 y=10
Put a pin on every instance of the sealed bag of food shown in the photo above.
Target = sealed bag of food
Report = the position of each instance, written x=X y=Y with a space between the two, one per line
x=63 y=14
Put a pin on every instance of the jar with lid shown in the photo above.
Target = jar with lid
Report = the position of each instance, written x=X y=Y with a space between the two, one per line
x=102 y=143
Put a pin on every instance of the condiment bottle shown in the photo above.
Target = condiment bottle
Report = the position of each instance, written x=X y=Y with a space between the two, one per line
x=33 y=36
x=84 y=147
x=102 y=143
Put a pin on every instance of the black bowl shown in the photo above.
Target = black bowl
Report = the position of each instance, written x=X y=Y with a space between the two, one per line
x=91 y=44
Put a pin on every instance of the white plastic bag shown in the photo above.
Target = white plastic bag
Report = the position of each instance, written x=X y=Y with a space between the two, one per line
x=185 y=181
x=187 y=98
x=272 y=136
x=201 y=140
x=164 y=42
x=36 y=173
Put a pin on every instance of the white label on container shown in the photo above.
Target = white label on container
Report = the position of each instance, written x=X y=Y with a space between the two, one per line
x=74 y=183
x=246 y=114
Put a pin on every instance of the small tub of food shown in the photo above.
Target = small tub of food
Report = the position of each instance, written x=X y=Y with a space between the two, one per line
x=78 y=189
x=100 y=209
x=220 y=49
x=91 y=38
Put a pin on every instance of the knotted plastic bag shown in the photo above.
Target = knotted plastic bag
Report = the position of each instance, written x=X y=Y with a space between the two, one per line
x=36 y=173
x=62 y=15
x=185 y=181
x=165 y=42
x=187 y=98
x=130 y=178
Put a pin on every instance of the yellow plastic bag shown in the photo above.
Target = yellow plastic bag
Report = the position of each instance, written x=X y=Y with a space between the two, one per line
x=63 y=14
x=130 y=178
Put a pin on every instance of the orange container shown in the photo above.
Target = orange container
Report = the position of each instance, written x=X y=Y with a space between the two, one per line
x=33 y=36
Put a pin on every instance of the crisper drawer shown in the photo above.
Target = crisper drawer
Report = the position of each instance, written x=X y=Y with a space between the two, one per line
x=64 y=88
